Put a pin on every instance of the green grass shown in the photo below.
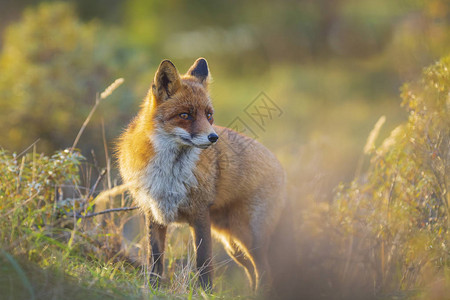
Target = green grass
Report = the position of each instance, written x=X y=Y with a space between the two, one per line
x=25 y=279
x=47 y=253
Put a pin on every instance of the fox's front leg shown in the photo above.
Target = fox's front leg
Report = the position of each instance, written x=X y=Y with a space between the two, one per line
x=201 y=229
x=157 y=240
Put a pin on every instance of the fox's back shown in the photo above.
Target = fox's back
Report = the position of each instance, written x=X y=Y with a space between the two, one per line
x=246 y=170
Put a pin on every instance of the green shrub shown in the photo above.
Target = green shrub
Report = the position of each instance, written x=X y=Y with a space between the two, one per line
x=31 y=198
x=52 y=67
x=45 y=252
x=395 y=219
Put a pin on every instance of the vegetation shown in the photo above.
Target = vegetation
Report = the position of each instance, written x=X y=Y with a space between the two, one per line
x=389 y=228
x=55 y=65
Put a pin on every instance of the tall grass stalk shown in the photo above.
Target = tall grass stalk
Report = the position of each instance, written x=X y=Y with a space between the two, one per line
x=105 y=94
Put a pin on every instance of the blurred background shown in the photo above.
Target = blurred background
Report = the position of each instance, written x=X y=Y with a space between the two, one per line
x=331 y=67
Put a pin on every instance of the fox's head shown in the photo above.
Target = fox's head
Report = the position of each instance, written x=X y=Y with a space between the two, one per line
x=182 y=109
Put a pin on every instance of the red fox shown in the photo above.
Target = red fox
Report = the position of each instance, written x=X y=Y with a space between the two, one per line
x=170 y=158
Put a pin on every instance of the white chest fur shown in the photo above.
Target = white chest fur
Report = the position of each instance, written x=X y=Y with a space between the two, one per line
x=166 y=181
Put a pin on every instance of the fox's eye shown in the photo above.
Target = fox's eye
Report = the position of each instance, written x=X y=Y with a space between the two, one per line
x=209 y=116
x=184 y=116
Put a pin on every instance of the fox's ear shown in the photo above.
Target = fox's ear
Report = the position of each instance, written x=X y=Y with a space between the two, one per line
x=200 y=70
x=167 y=81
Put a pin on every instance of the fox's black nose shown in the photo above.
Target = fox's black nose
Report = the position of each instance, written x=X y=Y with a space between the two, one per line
x=213 y=137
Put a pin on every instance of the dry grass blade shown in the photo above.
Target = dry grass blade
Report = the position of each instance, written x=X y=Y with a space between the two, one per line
x=107 y=92
x=111 y=88
x=106 y=211
x=370 y=144
x=28 y=148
